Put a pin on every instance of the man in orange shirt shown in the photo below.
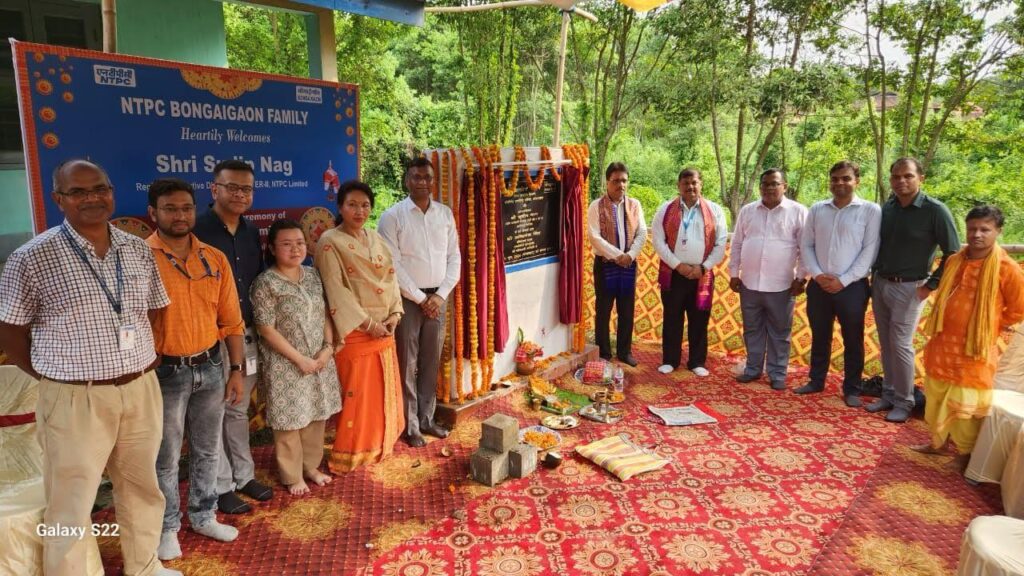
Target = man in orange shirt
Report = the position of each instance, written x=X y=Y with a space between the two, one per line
x=204 y=306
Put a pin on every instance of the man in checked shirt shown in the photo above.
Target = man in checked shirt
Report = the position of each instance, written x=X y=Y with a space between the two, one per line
x=75 y=309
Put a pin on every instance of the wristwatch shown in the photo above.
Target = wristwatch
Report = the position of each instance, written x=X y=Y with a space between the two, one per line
x=236 y=367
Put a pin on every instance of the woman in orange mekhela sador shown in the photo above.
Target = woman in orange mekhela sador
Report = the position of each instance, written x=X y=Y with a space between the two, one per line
x=981 y=293
x=365 y=306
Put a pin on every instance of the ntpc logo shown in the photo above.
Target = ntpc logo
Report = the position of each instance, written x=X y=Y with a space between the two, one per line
x=309 y=94
x=113 y=76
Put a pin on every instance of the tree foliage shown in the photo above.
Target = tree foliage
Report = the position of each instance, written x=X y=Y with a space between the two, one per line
x=730 y=87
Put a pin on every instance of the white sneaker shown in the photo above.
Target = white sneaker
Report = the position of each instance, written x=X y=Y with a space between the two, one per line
x=665 y=369
x=701 y=372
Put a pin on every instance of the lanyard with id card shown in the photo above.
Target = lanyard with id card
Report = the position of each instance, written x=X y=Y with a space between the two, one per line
x=127 y=334
x=689 y=220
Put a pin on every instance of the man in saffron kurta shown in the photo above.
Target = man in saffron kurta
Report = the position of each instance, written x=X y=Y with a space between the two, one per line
x=617 y=233
x=689 y=237
x=981 y=293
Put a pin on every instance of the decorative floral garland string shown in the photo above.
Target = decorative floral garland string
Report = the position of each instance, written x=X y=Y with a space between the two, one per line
x=457 y=308
x=483 y=159
x=545 y=154
x=444 y=370
x=436 y=162
x=492 y=249
x=474 y=335
x=579 y=155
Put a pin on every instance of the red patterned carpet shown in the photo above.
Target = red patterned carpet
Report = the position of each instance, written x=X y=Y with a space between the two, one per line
x=784 y=484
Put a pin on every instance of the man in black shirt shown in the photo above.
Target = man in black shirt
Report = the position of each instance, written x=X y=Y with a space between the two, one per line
x=224 y=228
x=913 y=226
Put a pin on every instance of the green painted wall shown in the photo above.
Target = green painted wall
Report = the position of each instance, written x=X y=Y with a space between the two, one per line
x=183 y=30
x=14 y=191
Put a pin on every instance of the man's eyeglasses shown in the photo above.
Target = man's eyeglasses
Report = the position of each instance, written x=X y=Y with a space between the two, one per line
x=174 y=210
x=233 y=188
x=82 y=193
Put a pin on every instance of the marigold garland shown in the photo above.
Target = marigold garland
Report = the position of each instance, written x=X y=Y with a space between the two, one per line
x=484 y=162
x=474 y=336
x=435 y=164
x=444 y=370
x=579 y=155
x=545 y=154
x=492 y=206
x=533 y=184
x=510 y=191
x=457 y=308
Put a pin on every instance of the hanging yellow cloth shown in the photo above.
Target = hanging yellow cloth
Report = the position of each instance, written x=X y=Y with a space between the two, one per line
x=643 y=5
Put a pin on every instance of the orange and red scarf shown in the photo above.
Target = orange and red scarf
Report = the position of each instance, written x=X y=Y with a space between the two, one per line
x=673 y=219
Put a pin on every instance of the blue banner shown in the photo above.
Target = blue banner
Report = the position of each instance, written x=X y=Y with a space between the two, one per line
x=143 y=119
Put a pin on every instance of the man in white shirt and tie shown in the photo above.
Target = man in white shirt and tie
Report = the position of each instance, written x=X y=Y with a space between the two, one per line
x=764 y=270
x=423 y=241
x=689 y=237
x=837 y=247
x=617 y=234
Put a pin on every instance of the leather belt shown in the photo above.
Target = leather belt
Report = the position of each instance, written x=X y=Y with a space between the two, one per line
x=901 y=279
x=429 y=290
x=119 y=381
x=193 y=360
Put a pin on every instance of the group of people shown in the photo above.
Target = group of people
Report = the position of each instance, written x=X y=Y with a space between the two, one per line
x=136 y=342
x=844 y=252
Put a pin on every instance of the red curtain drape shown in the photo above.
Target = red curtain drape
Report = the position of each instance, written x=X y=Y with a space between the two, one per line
x=570 y=271
x=501 y=327
x=481 y=216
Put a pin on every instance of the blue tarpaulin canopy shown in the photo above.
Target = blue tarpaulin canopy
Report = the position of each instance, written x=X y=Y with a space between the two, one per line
x=403 y=11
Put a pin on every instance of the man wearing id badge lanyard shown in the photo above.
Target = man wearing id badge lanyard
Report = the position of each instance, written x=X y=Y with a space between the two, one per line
x=76 y=304
x=689 y=237
x=224 y=228
x=204 y=305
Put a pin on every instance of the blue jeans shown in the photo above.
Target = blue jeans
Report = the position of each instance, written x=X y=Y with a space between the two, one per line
x=193 y=395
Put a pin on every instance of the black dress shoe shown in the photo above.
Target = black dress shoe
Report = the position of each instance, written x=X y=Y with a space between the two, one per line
x=605 y=356
x=436 y=430
x=880 y=405
x=778 y=384
x=809 y=388
x=416 y=441
x=230 y=503
x=257 y=491
x=853 y=401
x=744 y=378
x=629 y=360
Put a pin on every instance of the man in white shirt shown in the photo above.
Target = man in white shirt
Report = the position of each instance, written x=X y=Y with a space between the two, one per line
x=838 y=246
x=689 y=237
x=617 y=233
x=764 y=270
x=425 y=247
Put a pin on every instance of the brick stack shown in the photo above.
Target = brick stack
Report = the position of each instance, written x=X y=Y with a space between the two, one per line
x=500 y=454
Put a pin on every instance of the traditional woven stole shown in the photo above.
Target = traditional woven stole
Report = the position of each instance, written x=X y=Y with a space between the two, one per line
x=608 y=222
x=672 y=220
x=617 y=279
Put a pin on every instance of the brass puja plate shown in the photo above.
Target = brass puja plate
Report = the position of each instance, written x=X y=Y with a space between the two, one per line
x=592 y=413
x=613 y=397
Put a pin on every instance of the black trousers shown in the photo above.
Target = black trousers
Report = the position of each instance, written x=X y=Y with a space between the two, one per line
x=680 y=299
x=848 y=306
x=624 y=304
